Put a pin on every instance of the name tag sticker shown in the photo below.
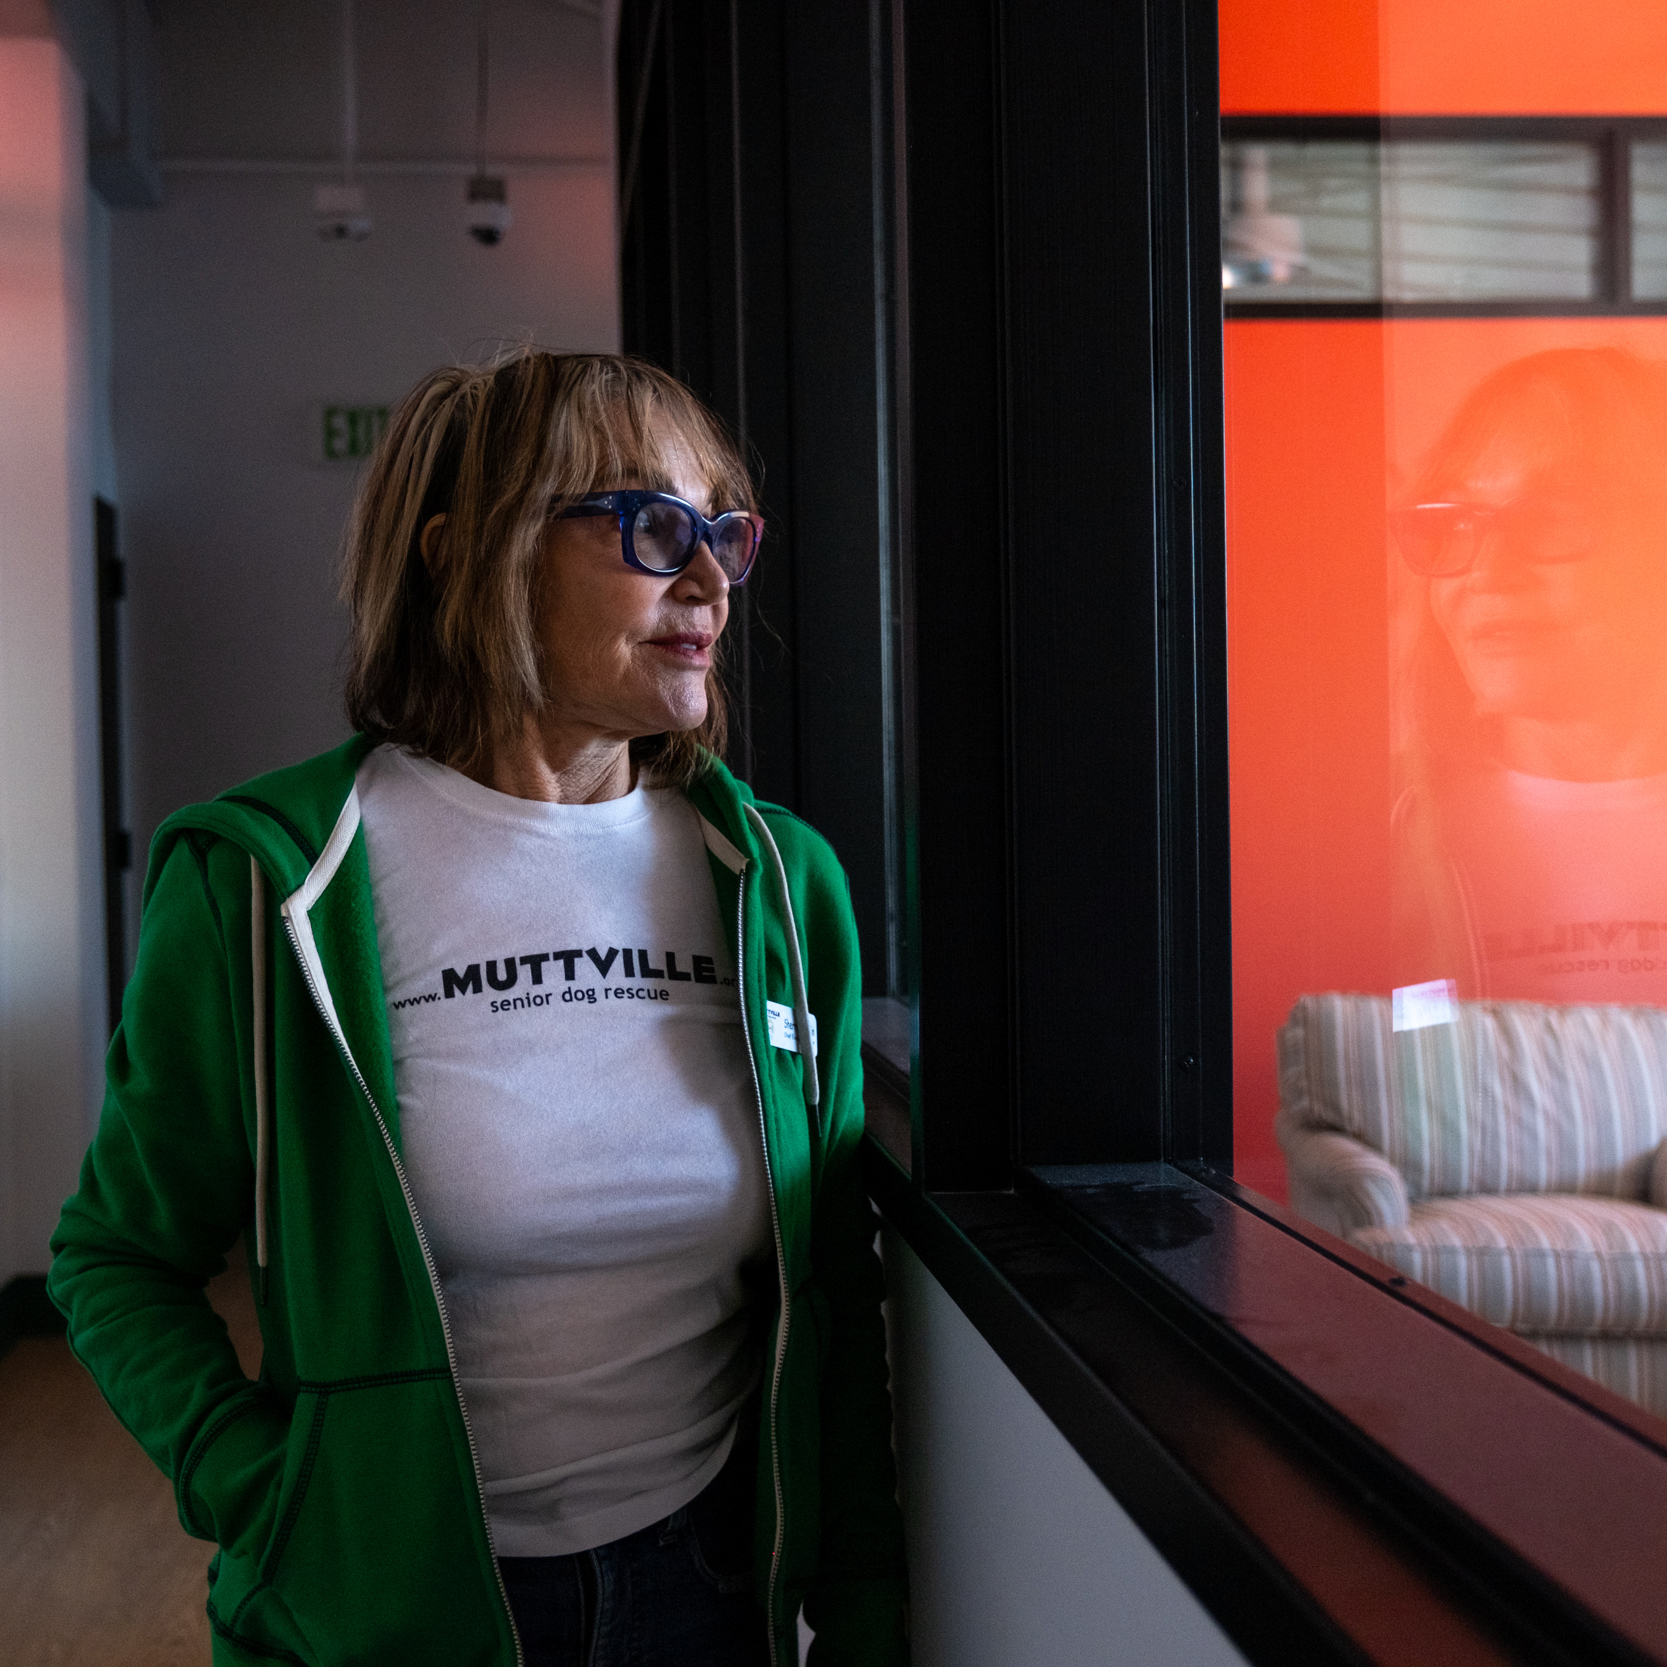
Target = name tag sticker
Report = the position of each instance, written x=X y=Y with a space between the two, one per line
x=784 y=1032
x=1418 y=1006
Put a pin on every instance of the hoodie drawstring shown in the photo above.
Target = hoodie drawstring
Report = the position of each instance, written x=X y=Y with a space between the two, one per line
x=795 y=964
x=263 y=1108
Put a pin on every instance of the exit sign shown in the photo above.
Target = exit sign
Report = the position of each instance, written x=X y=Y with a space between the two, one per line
x=348 y=433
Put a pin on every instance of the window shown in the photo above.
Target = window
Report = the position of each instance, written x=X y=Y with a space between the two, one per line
x=1154 y=692
x=1649 y=220
x=1410 y=220
x=1449 y=708
x=1432 y=216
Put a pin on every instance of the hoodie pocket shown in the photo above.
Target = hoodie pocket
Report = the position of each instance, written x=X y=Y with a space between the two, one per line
x=241 y=1608
x=228 y=1487
x=305 y=1437
x=379 y=1552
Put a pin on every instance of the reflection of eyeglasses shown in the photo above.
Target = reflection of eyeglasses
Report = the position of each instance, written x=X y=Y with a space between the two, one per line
x=1443 y=540
x=660 y=534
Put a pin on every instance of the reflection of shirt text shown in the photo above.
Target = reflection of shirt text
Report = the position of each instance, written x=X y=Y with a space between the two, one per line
x=1579 y=937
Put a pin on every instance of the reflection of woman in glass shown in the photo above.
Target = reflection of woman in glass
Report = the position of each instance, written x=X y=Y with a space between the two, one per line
x=1533 y=797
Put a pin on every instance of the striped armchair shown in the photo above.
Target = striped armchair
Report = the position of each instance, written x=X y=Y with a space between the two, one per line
x=1514 y=1160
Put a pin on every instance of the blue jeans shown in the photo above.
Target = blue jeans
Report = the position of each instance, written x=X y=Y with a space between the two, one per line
x=678 y=1593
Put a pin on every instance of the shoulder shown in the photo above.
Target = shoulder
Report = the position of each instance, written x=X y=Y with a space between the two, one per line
x=729 y=804
x=815 y=877
x=803 y=849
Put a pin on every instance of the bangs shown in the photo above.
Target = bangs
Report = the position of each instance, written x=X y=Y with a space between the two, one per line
x=1601 y=410
x=626 y=427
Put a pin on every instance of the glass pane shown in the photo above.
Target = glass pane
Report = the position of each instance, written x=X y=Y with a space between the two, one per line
x=1477 y=221
x=1447 y=661
x=1410 y=220
x=1649 y=222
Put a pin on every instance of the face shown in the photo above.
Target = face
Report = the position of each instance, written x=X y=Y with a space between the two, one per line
x=1555 y=639
x=627 y=653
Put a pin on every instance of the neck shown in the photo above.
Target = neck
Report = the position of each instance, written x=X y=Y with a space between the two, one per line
x=558 y=764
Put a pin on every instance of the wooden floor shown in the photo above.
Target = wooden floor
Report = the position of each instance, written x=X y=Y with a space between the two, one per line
x=95 y=1570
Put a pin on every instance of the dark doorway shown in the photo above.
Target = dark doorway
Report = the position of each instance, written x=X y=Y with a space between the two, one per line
x=118 y=842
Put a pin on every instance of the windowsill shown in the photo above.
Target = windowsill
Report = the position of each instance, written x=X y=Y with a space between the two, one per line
x=886 y=1028
x=1340 y=1471
x=886 y=1042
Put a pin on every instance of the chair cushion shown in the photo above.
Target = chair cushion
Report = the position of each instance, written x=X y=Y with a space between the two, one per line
x=1514 y=1096
x=1635 y=1367
x=1539 y=1263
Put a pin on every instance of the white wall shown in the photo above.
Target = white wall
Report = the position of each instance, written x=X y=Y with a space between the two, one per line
x=173 y=361
x=233 y=322
x=51 y=925
x=1018 y=1556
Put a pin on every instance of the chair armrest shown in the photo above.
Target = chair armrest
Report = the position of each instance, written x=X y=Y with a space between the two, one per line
x=1338 y=1182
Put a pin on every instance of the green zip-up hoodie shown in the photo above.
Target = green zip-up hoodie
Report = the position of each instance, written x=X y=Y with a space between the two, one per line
x=251 y=1092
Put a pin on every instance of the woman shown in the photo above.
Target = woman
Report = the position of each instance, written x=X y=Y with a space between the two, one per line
x=486 y=1031
x=1533 y=795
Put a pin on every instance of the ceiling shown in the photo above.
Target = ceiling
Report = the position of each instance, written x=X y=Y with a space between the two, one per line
x=263 y=81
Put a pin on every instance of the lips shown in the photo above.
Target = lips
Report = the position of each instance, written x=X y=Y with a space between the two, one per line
x=1507 y=635
x=689 y=645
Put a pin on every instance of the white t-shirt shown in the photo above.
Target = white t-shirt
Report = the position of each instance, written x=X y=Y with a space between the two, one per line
x=1568 y=880
x=580 y=1128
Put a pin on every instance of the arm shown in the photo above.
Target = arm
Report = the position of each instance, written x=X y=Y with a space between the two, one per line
x=856 y=1606
x=163 y=1195
x=1338 y=1182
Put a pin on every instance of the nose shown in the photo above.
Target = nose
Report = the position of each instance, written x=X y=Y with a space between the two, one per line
x=704 y=578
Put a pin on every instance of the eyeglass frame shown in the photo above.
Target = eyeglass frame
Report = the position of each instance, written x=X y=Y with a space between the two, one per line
x=627 y=502
x=1489 y=515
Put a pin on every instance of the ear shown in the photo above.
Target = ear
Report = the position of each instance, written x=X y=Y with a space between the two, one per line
x=428 y=538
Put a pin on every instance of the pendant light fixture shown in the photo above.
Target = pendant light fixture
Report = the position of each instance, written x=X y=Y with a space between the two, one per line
x=486 y=203
x=339 y=212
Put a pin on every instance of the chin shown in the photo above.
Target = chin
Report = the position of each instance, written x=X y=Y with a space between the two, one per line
x=664 y=704
x=1533 y=704
x=684 y=716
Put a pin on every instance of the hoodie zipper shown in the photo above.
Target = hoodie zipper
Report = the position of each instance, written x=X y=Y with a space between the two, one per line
x=781 y=1259
x=434 y=1277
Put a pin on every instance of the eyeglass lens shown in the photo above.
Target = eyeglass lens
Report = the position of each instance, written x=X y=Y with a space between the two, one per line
x=663 y=537
x=1442 y=540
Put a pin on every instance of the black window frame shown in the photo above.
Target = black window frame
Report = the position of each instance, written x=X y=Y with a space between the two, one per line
x=734 y=116
x=1060 y=1157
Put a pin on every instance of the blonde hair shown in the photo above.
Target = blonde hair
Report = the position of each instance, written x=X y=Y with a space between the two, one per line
x=443 y=655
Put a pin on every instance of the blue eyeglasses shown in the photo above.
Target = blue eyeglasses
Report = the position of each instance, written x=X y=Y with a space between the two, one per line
x=660 y=534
